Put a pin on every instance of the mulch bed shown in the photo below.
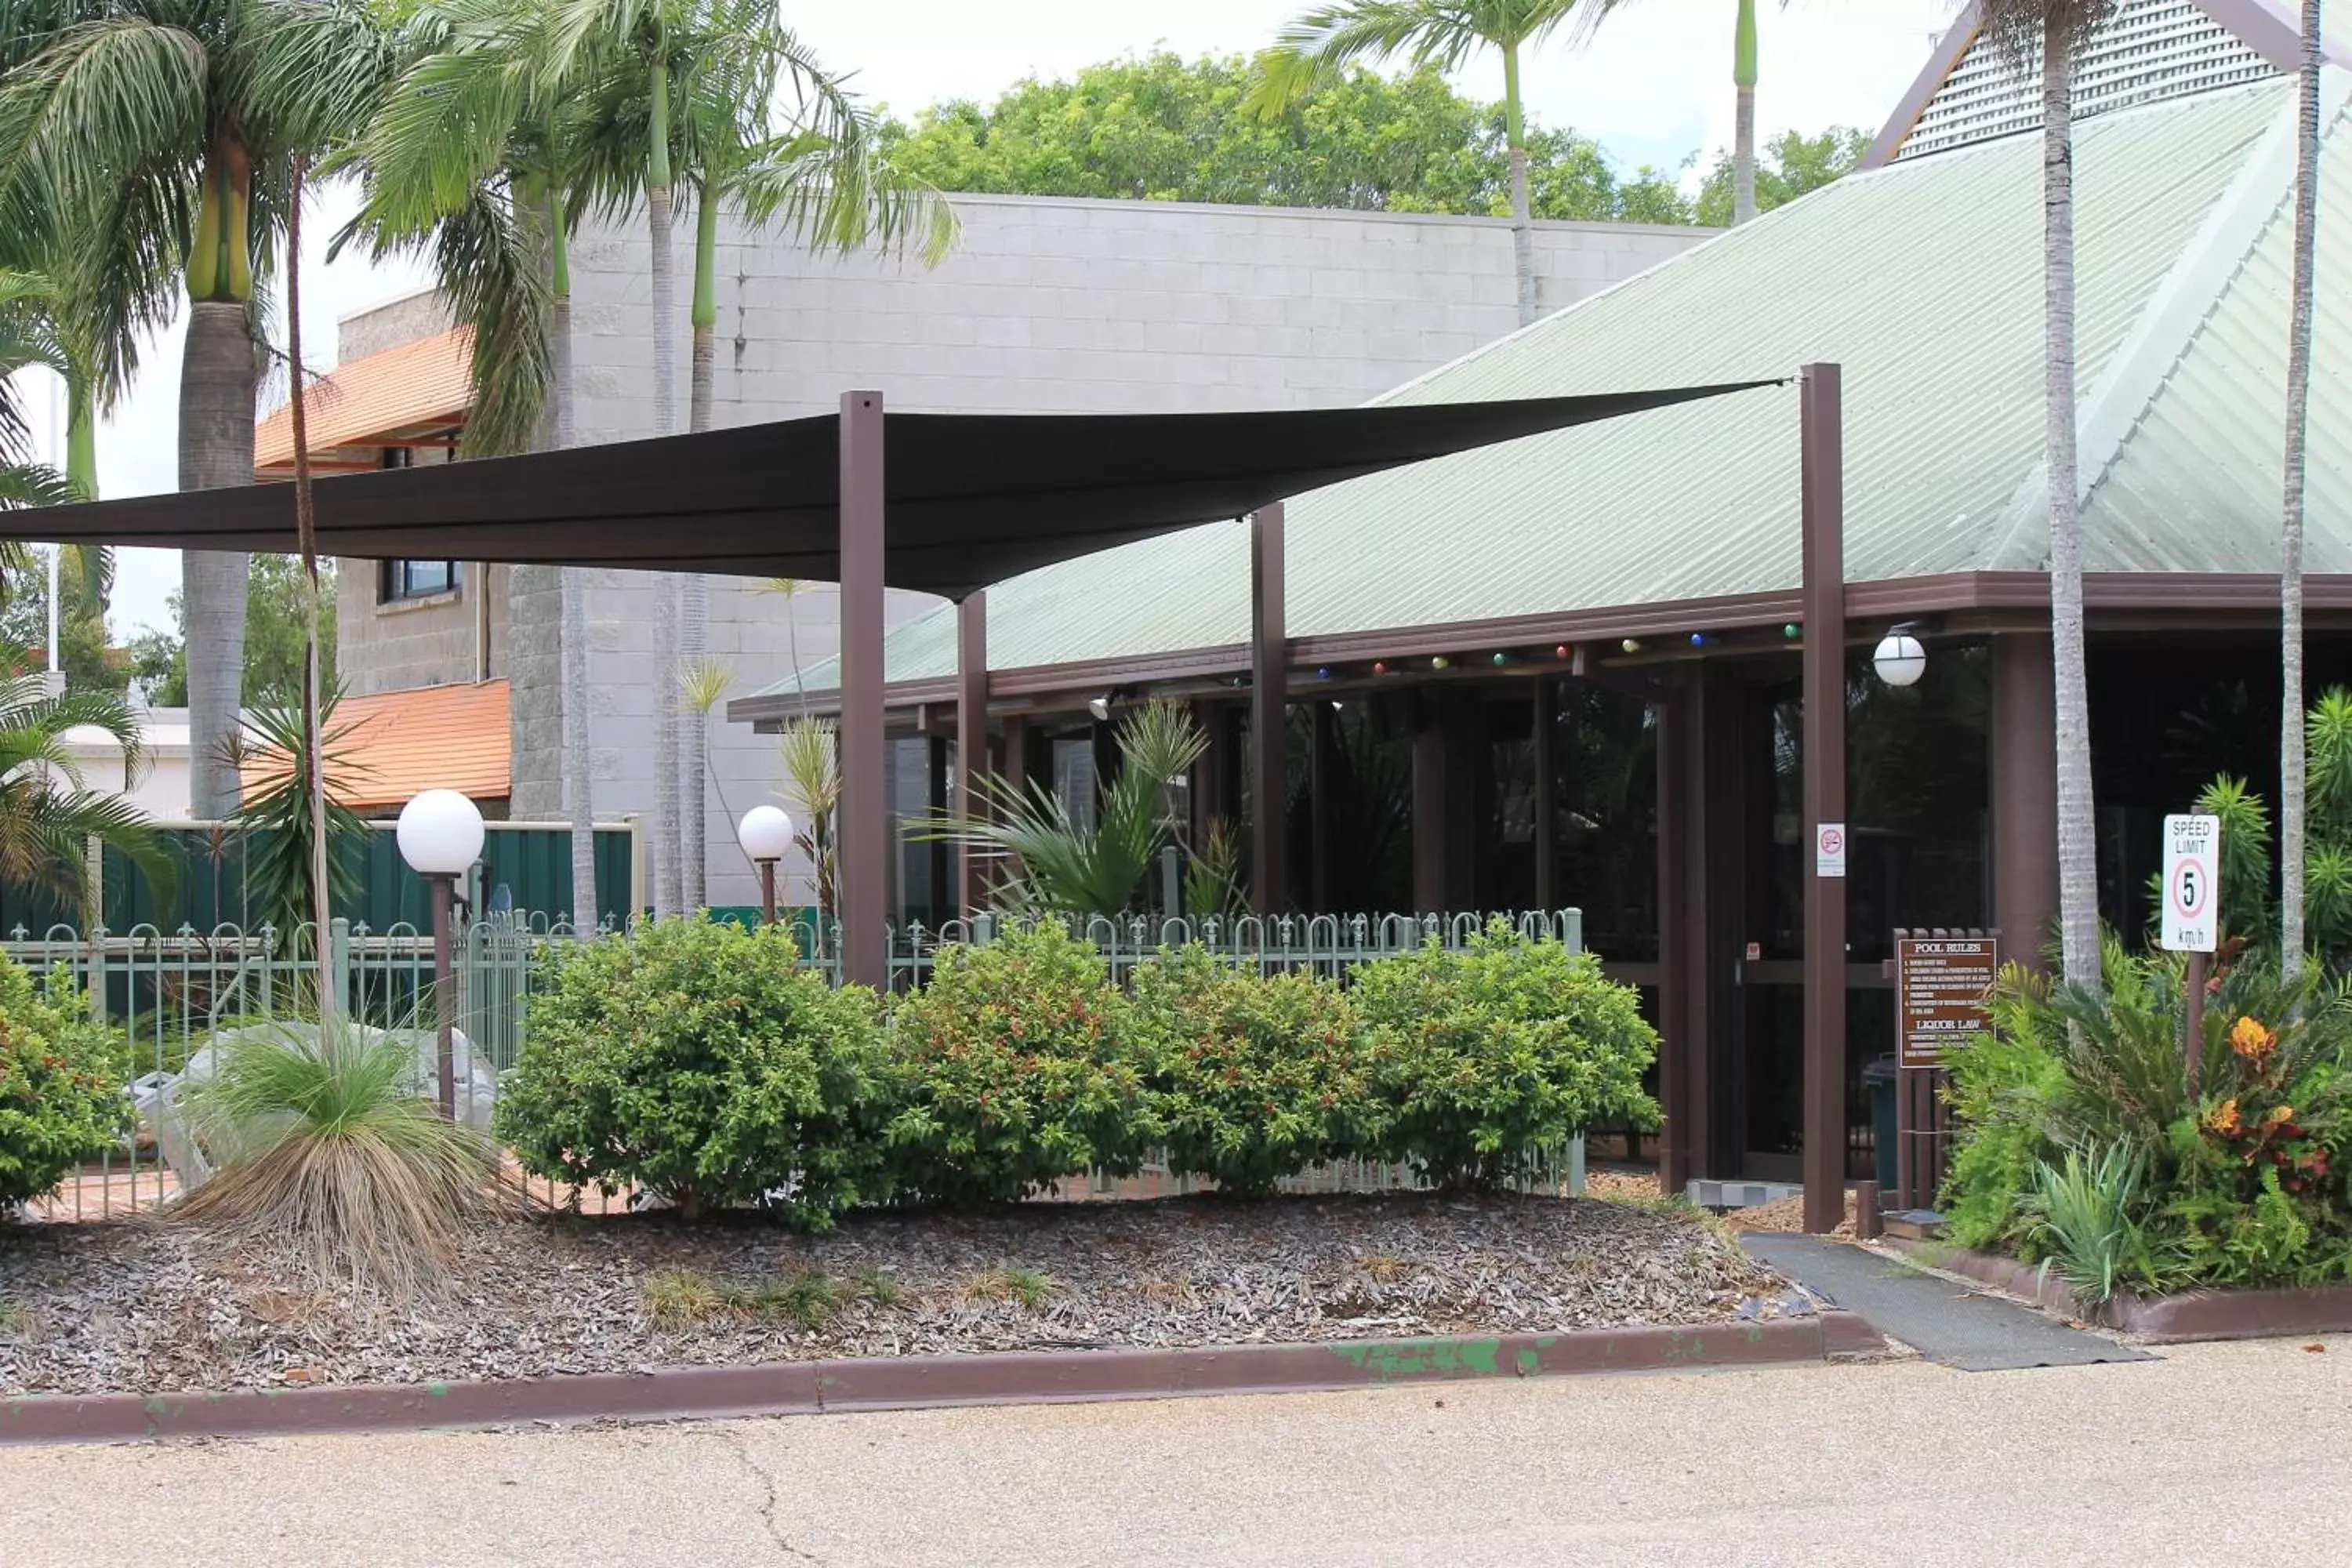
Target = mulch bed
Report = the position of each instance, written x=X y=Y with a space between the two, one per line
x=146 y=1306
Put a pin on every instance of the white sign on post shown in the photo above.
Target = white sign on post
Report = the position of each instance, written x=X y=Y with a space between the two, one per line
x=1829 y=850
x=2192 y=884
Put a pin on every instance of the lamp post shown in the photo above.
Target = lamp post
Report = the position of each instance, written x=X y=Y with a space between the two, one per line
x=766 y=834
x=440 y=836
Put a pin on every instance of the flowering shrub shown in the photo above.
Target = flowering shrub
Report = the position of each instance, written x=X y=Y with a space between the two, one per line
x=1011 y=1071
x=1485 y=1056
x=2237 y=1182
x=697 y=1059
x=1250 y=1079
x=61 y=1099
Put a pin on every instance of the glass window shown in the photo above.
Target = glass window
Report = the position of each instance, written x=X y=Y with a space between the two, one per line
x=418 y=579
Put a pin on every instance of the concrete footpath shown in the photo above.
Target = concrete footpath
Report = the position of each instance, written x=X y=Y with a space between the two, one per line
x=1910 y=1462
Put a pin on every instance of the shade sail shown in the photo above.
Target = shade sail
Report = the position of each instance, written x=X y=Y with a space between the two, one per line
x=971 y=499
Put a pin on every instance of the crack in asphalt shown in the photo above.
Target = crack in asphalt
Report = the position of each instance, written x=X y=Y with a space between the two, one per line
x=736 y=1446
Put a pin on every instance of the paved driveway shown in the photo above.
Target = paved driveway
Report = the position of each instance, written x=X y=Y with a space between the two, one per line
x=2214 y=1454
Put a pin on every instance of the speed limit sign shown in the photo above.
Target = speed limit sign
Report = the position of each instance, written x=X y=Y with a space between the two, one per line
x=2192 y=883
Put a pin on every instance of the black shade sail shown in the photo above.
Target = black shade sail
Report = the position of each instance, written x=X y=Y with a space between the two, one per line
x=971 y=499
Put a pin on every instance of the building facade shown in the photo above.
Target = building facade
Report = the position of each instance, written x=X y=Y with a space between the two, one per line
x=1044 y=305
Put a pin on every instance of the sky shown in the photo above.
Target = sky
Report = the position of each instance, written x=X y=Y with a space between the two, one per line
x=1653 y=86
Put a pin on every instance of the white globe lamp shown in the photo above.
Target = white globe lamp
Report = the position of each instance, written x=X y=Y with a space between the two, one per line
x=766 y=834
x=440 y=836
x=1900 y=657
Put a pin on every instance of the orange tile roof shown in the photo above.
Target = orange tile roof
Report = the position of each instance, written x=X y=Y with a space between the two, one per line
x=422 y=383
x=403 y=742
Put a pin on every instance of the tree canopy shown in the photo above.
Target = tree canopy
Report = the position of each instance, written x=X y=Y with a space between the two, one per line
x=1792 y=164
x=273 y=638
x=1158 y=127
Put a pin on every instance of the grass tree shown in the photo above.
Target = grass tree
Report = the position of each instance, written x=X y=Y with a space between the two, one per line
x=2292 y=822
x=1324 y=41
x=163 y=128
x=2047 y=33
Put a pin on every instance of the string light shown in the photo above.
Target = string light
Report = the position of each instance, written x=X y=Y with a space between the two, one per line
x=1792 y=631
x=1441 y=662
x=1380 y=667
x=1563 y=653
x=1632 y=645
x=1698 y=639
x=1501 y=659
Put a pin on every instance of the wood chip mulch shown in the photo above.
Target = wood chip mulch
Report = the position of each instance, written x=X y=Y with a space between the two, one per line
x=150 y=1307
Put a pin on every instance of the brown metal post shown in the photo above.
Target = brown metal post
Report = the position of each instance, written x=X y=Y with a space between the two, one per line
x=1824 y=515
x=2024 y=794
x=1546 y=708
x=2195 y=1043
x=1269 y=718
x=864 y=840
x=768 y=892
x=445 y=993
x=971 y=741
x=1678 y=982
x=1429 y=845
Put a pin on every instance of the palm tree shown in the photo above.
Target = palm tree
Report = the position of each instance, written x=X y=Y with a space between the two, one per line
x=1743 y=122
x=161 y=130
x=2298 y=420
x=1443 y=33
x=24 y=343
x=48 y=813
x=2050 y=31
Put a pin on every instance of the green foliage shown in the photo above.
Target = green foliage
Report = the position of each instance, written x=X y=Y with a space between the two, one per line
x=2000 y=1088
x=1161 y=128
x=700 y=1062
x=1055 y=863
x=2082 y=1212
x=1789 y=165
x=1485 y=1055
x=48 y=813
x=324 y=1146
x=1251 y=1078
x=61 y=1097
x=275 y=818
x=274 y=650
x=2080 y=1136
x=1011 y=1072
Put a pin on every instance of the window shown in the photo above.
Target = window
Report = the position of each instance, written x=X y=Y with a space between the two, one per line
x=417 y=579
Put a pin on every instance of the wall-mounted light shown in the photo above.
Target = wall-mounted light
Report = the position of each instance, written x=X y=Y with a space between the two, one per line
x=1100 y=707
x=1900 y=659
x=1698 y=639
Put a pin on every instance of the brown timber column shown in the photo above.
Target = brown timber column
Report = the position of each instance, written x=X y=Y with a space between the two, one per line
x=1269 y=749
x=1823 y=513
x=864 y=959
x=1679 y=981
x=971 y=740
x=2024 y=794
x=1546 y=708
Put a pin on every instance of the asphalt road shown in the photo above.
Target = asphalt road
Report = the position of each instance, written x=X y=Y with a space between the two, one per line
x=2214 y=1454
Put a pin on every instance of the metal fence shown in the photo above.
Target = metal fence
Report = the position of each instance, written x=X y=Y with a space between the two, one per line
x=170 y=993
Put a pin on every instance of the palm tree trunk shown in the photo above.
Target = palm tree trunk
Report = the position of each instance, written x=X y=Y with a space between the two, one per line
x=1523 y=233
x=218 y=374
x=2078 y=867
x=2298 y=419
x=1743 y=134
x=216 y=386
x=668 y=849
x=572 y=586
x=81 y=438
x=694 y=589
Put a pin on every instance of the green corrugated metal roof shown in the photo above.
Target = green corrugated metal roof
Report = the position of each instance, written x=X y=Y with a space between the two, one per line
x=1924 y=280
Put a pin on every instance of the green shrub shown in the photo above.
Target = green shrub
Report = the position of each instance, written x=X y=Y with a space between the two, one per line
x=61 y=1094
x=2084 y=1215
x=697 y=1059
x=1485 y=1056
x=1251 y=1078
x=2002 y=1085
x=1010 y=1071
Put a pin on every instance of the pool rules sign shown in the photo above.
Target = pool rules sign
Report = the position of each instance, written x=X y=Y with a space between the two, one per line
x=2192 y=884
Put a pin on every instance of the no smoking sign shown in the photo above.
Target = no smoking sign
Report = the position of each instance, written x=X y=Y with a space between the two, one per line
x=2192 y=884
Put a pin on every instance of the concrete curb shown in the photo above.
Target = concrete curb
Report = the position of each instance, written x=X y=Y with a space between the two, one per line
x=906 y=1383
x=2158 y=1319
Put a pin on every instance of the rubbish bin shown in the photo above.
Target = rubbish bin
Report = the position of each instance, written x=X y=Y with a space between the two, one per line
x=1878 y=1079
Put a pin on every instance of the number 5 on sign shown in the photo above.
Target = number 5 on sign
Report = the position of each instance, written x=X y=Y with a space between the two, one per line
x=2192 y=883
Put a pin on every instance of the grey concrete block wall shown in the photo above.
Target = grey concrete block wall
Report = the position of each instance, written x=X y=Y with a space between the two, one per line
x=1046 y=306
